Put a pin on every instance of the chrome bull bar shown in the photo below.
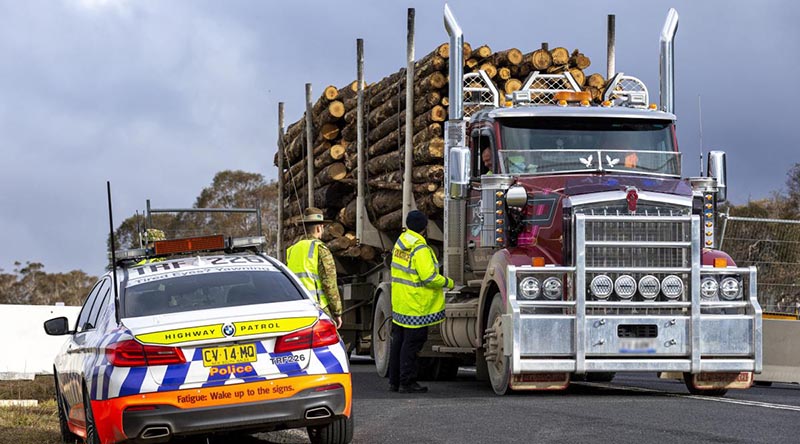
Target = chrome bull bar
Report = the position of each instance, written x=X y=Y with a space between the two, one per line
x=693 y=336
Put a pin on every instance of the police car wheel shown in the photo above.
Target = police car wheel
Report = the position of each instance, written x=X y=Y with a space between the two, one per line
x=67 y=437
x=688 y=381
x=339 y=431
x=498 y=365
x=91 y=427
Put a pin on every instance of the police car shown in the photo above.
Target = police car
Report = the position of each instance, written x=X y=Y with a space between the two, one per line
x=199 y=345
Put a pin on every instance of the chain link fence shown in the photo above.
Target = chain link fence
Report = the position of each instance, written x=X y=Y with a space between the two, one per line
x=772 y=245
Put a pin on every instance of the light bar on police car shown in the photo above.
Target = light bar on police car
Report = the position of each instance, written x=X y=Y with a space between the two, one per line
x=251 y=241
x=190 y=244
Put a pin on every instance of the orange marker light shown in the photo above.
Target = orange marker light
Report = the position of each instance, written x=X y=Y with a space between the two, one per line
x=190 y=244
x=537 y=262
x=720 y=262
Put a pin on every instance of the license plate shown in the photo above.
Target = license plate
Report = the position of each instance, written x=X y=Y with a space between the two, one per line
x=637 y=346
x=231 y=354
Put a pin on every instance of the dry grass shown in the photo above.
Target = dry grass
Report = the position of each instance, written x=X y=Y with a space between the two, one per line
x=29 y=425
x=41 y=389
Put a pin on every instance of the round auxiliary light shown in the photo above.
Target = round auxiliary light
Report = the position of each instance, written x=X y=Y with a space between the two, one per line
x=529 y=288
x=625 y=286
x=649 y=286
x=551 y=288
x=602 y=286
x=709 y=287
x=729 y=288
x=672 y=286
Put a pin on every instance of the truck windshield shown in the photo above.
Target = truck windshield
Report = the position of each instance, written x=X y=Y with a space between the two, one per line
x=545 y=145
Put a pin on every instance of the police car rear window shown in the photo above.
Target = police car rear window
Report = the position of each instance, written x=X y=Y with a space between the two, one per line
x=207 y=291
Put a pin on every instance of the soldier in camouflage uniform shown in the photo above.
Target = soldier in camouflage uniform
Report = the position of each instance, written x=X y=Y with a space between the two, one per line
x=313 y=263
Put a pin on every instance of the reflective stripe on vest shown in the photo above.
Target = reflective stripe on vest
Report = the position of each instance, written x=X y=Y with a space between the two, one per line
x=413 y=304
x=303 y=259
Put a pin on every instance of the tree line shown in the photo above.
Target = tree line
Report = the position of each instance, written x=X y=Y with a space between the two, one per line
x=29 y=283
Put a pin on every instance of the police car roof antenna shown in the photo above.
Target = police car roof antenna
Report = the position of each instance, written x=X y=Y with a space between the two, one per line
x=113 y=246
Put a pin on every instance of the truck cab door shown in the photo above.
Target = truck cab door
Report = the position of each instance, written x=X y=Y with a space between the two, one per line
x=483 y=162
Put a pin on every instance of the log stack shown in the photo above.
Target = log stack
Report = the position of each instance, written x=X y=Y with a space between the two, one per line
x=334 y=117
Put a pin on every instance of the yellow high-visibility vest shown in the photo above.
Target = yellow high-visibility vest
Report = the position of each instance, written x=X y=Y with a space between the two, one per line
x=303 y=259
x=417 y=296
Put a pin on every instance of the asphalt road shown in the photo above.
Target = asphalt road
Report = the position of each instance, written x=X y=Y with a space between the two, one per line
x=634 y=408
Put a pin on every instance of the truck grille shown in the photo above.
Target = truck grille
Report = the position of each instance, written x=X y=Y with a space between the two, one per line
x=639 y=254
x=636 y=246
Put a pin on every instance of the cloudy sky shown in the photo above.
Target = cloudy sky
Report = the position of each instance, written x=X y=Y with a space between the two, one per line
x=157 y=96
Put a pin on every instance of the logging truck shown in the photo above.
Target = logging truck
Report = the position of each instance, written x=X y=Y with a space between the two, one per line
x=577 y=247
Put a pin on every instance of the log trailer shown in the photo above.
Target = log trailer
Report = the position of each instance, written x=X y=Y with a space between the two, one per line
x=578 y=249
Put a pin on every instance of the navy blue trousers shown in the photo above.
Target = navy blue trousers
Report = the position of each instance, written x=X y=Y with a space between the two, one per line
x=406 y=343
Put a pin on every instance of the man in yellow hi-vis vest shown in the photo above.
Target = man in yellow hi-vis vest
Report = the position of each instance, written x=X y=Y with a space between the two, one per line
x=313 y=263
x=417 y=302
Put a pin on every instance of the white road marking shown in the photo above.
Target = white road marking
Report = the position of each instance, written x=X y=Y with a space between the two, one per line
x=767 y=405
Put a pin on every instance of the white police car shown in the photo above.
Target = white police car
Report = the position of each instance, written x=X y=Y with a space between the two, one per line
x=199 y=345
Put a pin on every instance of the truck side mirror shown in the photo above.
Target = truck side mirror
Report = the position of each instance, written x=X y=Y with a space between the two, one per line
x=717 y=170
x=460 y=172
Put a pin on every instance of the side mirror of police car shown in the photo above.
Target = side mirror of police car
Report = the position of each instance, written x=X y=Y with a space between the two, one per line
x=57 y=326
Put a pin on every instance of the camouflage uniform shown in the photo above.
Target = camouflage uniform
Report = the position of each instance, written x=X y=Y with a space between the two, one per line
x=327 y=274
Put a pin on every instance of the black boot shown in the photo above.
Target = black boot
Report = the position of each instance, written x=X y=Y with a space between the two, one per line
x=413 y=388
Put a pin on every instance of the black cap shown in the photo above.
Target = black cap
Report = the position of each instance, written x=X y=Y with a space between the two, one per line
x=416 y=221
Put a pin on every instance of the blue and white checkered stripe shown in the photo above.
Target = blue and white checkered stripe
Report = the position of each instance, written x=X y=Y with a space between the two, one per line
x=124 y=381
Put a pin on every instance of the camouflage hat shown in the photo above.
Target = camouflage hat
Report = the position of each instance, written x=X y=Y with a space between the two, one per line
x=313 y=215
x=154 y=234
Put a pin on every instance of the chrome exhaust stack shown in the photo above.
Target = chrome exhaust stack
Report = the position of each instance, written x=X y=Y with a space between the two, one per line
x=456 y=64
x=667 y=62
x=456 y=157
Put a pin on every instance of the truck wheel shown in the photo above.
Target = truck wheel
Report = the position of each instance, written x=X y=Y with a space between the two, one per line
x=339 y=431
x=687 y=380
x=67 y=437
x=498 y=364
x=600 y=377
x=382 y=333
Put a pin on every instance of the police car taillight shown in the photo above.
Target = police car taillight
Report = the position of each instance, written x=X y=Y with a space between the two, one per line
x=321 y=334
x=133 y=354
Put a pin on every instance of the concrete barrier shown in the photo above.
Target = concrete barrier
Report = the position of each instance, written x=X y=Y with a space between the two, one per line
x=781 y=351
x=25 y=349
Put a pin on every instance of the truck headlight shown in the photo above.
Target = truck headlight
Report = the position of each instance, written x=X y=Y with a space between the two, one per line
x=551 y=288
x=602 y=286
x=529 y=288
x=625 y=286
x=649 y=286
x=730 y=289
x=672 y=286
x=709 y=288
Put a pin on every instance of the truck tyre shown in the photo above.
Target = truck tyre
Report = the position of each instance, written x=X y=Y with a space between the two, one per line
x=91 y=428
x=67 y=437
x=382 y=333
x=499 y=366
x=687 y=380
x=600 y=377
x=339 y=431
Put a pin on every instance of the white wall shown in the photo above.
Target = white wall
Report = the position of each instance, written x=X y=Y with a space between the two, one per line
x=25 y=349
